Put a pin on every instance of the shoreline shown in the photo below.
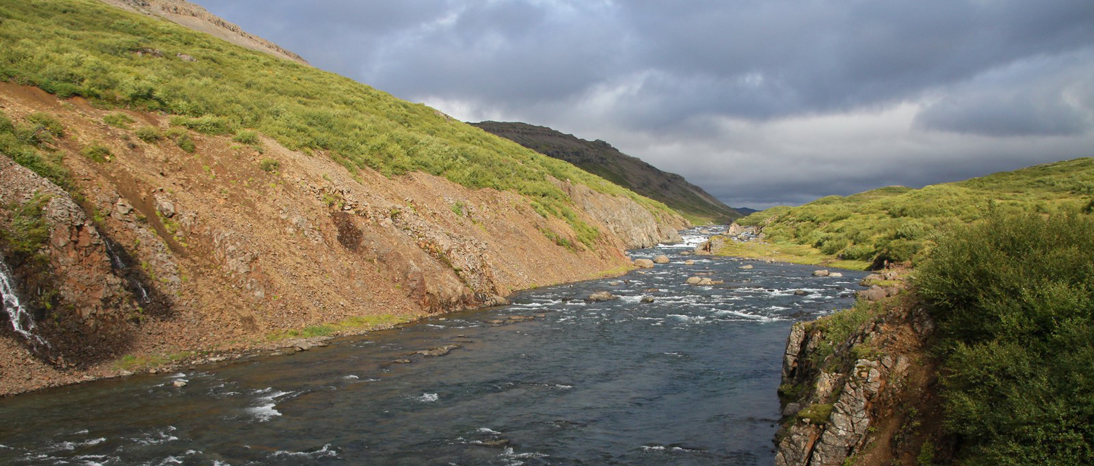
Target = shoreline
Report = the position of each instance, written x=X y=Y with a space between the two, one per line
x=193 y=358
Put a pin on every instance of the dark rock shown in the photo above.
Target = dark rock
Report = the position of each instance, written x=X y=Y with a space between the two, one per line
x=437 y=352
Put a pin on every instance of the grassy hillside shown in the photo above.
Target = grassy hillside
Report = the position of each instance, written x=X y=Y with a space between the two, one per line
x=897 y=223
x=601 y=159
x=119 y=59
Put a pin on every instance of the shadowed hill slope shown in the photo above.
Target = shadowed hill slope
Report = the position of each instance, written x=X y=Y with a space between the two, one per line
x=600 y=158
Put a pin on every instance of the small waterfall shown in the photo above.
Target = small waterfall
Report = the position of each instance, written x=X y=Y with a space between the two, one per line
x=119 y=265
x=20 y=318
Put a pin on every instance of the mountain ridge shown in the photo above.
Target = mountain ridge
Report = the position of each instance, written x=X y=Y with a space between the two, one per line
x=600 y=158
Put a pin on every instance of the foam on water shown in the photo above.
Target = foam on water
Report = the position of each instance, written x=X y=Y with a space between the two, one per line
x=428 y=398
x=267 y=404
x=325 y=452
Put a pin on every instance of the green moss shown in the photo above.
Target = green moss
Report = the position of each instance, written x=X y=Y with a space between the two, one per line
x=816 y=413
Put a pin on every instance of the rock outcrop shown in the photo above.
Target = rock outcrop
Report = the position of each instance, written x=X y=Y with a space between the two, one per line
x=69 y=278
x=849 y=399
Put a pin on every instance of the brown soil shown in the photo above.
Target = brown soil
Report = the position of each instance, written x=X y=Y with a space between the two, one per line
x=233 y=255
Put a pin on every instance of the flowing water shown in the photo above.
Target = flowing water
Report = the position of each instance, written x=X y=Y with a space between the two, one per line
x=17 y=314
x=688 y=379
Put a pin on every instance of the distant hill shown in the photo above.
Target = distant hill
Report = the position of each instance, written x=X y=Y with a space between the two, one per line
x=897 y=223
x=600 y=158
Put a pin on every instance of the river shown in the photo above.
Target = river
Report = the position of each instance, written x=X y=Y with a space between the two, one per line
x=689 y=379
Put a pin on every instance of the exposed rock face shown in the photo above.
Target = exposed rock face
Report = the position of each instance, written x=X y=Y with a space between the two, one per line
x=636 y=226
x=90 y=302
x=849 y=407
x=195 y=17
x=600 y=158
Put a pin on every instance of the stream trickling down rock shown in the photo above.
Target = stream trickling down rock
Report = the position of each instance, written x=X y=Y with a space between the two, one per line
x=688 y=379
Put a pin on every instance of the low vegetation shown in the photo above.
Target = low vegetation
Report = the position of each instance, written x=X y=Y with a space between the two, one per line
x=88 y=49
x=1014 y=299
x=30 y=144
x=352 y=324
x=897 y=224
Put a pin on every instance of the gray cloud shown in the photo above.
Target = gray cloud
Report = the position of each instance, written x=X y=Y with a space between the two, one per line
x=778 y=101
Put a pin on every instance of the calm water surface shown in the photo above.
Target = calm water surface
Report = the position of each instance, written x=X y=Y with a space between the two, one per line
x=689 y=379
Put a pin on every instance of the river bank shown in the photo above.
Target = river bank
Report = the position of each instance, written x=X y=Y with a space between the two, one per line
x=689 y=378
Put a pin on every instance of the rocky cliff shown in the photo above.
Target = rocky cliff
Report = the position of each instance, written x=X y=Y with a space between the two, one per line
x=858 y=388
x=600 y=158
x=170 y=251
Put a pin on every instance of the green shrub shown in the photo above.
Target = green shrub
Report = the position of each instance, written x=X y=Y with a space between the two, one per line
x=269 y=165
x=185 y=143
x=97 y=152
x=118 y=120
x=208 y=124
x=1014 y=299
x=246 y=137
x=175 y=133
x=149 y=134
x=28 y=231
x=46 y=126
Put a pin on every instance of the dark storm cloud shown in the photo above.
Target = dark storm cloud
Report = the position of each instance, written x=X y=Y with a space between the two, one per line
x=758 y=101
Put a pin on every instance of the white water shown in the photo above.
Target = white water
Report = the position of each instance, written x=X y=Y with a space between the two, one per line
x=18 y=315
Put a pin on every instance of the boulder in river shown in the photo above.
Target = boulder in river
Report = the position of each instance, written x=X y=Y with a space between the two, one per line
x=835 y=275
x=689 y=262
x=646 y=299
x=643 y=263
x=436 y=352
x=600 y=296
x=662 y=259
x=745 y=267
x=694 y=280
x=820 y=273
x=706 y=282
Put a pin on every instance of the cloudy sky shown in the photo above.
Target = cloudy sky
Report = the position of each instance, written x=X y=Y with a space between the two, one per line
x=760 y=102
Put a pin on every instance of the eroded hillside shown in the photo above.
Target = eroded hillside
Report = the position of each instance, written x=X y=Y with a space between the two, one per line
x=232 y=244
